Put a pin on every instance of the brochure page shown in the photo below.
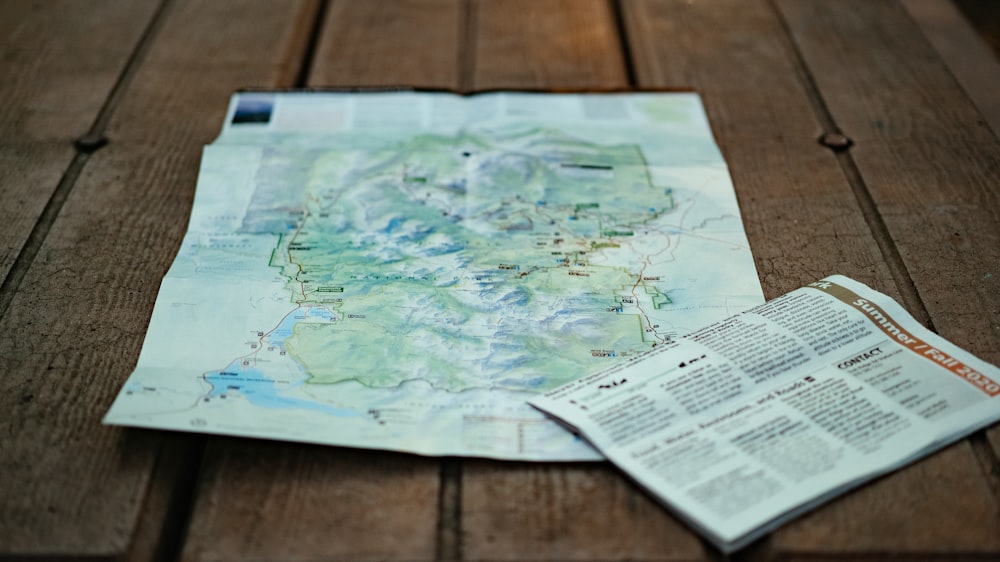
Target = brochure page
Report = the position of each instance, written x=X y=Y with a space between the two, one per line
x=750 y=421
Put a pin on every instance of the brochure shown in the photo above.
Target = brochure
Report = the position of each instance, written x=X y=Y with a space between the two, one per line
x=743 y=425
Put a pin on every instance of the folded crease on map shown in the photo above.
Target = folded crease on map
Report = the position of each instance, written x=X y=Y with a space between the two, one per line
x=404 y=270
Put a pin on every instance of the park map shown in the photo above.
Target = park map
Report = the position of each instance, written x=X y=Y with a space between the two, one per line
x=403 y=270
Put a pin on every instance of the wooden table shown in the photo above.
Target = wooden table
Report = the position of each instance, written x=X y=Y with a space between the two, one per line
x=909 y=204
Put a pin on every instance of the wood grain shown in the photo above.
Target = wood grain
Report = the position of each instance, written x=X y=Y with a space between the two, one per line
x=969 y=59
x=939 y=507
x=72 y=333
x=414 y=43
x=60 y=60
x=928 y=158
x=804 y=222
x=280 y=501
x=546 y=511
x=555 y=44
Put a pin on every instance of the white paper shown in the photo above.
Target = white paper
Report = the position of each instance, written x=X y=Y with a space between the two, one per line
x=746 y=423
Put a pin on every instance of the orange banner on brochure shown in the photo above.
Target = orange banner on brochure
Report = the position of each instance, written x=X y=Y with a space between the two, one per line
x=889 y=326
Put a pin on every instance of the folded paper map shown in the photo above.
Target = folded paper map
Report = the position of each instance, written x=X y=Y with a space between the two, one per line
x=403 y=270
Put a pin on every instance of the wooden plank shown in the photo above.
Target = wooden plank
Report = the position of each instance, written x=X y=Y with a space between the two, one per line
x=545 y=511
x=390 y=43
x=60 y=61
x=282 y=501
x=968 y=58
x=520 y=511
x=985 y=16
x=803 y=222
x=72 y=333
x=335 y=503
x=556 y=44
x=927 y=157
x=940 y=507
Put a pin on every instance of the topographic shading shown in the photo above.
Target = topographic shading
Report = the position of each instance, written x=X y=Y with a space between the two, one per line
x=407 y=287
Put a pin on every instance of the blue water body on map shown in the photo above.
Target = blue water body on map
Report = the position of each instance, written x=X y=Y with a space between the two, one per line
x=278 y=336
x=260 y=390
x=257 y=387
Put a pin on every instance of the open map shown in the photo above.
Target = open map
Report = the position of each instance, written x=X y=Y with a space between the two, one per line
x=402 y=270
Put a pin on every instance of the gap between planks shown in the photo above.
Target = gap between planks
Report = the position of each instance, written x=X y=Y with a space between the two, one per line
x=169 y=500
x=315 y=31
x=880 y=232
x=449 y=529
x=85 y=145
x=623 y=43
x=466 y=56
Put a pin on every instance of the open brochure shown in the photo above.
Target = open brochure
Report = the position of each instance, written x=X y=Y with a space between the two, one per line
x=751 y=421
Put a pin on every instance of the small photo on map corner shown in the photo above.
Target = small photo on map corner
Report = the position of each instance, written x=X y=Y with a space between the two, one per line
x=253 y=109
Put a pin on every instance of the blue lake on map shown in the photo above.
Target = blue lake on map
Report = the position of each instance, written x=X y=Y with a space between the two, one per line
x=261 y=390
x=284 y=330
